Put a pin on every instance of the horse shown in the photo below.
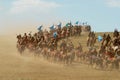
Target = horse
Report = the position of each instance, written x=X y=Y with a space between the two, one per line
x=63 y=33
x=21 y=48
x=70 y=56
x=79 y=30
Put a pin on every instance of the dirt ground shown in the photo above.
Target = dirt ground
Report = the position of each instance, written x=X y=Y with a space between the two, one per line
x=13 y=66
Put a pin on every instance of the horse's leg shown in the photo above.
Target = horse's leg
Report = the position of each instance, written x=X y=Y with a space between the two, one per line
x=88 y=43
x=116 y=64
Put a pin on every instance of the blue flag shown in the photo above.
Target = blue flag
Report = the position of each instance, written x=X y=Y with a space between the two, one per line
x=55 y=34
x=59 y=25
x=52 y=27
x=68 y=24
x=77 y=23
x=40 y=27
x=100 y=38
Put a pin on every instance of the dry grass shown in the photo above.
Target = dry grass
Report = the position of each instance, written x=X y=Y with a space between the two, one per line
x=16 y=67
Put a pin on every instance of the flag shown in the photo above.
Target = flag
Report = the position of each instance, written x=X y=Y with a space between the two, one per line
x=52 y=27
x=77 y=23
x=40 y=27
x=55 y=34
x=100 y=38
x=68 y=24
x=59 y=25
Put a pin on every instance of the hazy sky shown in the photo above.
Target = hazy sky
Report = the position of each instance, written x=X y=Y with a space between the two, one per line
x=102 y=15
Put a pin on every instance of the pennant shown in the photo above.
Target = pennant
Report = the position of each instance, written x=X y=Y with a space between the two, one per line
x=68 y=24
x=55 y=34
x=52 y=27
x=59 y=25
x=40 y=28
x=77 y=23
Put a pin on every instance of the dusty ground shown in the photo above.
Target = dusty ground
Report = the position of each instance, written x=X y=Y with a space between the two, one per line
x=16 y=67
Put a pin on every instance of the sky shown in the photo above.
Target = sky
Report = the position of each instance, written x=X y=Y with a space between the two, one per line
x=102 y=15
